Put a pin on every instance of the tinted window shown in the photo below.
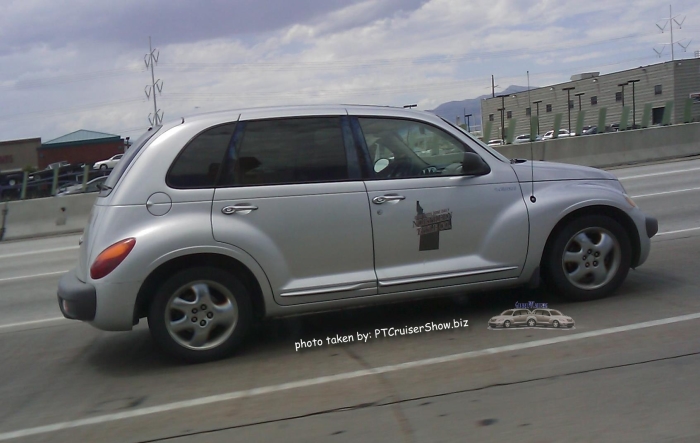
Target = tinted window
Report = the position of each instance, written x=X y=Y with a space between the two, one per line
x=199 y=162
x=294 y=150
x=407 y=148
x=508 y=313
x=555 y=312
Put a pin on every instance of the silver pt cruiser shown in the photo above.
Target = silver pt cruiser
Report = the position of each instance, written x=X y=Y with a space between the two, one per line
x=212 y=222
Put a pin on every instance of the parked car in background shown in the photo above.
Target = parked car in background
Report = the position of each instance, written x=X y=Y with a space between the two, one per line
x=513 y=318
x=495 y=142
x=93 y=185
x=108 y=164
x=562 y=133
x=525 y=138
x=589 y=130
x=57 y=165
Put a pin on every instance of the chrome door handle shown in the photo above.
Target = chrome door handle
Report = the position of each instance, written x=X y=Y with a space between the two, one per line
x=380 y=199
x=228 y=210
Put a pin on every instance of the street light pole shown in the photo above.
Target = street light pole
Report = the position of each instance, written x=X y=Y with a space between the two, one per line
x=538 y=115
x=466 y=117
x=568 y=102
x=579 y=99
x=622 y=85
x=503 y=110
x=634 y=109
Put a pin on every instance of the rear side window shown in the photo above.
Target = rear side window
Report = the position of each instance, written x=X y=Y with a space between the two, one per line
x=197 y=166
x=121 y=166
x=296 y=150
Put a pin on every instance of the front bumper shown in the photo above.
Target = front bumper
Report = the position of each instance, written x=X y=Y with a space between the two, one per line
x=77 y=300
x=652 y=226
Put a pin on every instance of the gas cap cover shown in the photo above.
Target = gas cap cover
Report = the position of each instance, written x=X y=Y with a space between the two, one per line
x=159 y=203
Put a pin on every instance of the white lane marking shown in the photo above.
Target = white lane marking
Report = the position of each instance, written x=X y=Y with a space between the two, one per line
x=332 y=378
x=657 y=193
x=678 y=231
x=31 y=322
x=44 y=251
x=654 y=174
x=29 y=277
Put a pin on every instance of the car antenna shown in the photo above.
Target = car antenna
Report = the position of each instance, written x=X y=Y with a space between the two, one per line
x=532 y=155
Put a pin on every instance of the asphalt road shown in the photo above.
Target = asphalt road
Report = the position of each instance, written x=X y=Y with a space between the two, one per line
x=627 y=372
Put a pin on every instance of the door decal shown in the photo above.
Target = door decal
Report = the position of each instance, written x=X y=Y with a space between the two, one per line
x=428 y=226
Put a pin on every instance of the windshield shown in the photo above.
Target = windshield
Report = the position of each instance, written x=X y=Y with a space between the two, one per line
x=118 y=171
x=490 y=150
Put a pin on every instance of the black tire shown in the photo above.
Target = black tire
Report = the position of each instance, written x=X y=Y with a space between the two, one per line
x=555 y=324
x=229 y=297
x=614 y=265
x=531 y=323
x=103 y=167
x=506 y=324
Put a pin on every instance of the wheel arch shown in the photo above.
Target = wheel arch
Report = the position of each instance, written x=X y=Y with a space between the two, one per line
x=610 y=211
x=170 y=267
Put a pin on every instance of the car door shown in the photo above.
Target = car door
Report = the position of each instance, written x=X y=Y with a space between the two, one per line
x=520 y=317
x=542 y=317
x=433 y=226
x=292 y=197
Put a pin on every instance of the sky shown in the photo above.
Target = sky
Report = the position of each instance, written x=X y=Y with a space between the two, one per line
x=67 y=65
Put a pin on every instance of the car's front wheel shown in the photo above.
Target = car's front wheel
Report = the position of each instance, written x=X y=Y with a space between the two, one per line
x=200 y=314
x=103 y=167
x=588 y=259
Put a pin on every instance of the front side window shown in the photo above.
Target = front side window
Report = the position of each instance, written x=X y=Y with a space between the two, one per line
x=198 y=164
x=406 y=148
x=294 y=150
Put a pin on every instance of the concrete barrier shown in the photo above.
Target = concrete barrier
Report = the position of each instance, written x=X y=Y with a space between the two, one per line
x=616 y=148
x=47 y=216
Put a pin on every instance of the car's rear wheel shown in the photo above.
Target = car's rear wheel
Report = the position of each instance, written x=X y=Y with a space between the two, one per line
x=588 y=259
x=531 y=323
x=200 y=314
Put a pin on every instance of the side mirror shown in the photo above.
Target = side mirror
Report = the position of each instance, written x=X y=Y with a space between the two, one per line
x=473 y=164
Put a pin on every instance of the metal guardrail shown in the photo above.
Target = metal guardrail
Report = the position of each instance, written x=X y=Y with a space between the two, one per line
x=46 y=183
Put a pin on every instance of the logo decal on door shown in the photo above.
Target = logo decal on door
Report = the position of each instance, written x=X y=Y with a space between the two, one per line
x=428 y=226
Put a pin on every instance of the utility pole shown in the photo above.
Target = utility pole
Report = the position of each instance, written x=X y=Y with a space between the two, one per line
x=669 y=21
x=493 y=87
x=151 y=59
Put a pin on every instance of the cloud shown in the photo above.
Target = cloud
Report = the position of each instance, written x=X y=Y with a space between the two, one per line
x=79 y=64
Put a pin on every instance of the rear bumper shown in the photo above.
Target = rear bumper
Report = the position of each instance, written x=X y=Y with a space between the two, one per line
x=77 y=300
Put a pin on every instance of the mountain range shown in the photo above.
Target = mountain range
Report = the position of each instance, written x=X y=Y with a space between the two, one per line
x=451 y=110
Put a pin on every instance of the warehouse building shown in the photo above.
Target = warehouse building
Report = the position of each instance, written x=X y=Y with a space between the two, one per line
x=18 y=154
x=654 y=87
x=80 y=147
